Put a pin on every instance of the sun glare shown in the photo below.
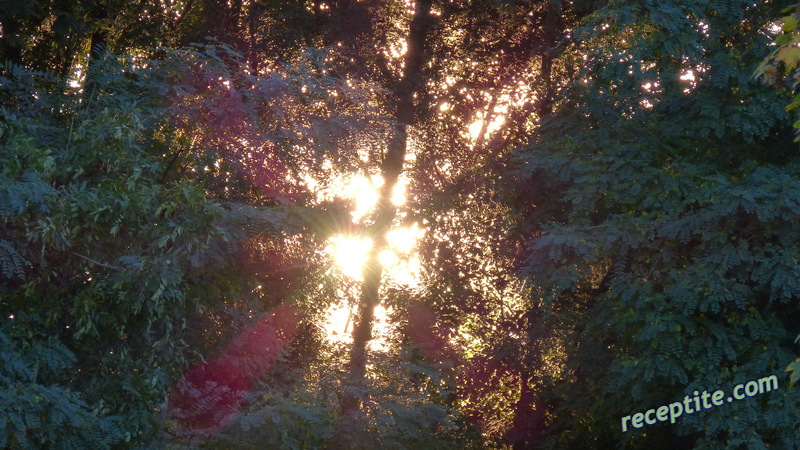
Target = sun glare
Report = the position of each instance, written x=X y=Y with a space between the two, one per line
x=476 y=127
x=349 y=253
x=404 y=239
x=401 y=266
x=338 y=325
x=365 y=193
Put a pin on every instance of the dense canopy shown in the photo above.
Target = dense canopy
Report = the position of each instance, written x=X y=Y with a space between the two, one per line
x=404 y=224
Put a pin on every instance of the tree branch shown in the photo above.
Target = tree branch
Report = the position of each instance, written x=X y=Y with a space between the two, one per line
x=108 y=266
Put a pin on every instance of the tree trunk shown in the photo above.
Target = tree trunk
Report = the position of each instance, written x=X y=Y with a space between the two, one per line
x=548 y=54
x=391 y=168
x=253 y=12
x=97 y=50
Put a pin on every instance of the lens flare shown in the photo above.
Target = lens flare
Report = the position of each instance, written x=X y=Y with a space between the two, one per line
x=350 y=254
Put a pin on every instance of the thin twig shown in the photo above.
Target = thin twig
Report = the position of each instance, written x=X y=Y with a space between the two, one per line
x=69 y=137
x=109 y=266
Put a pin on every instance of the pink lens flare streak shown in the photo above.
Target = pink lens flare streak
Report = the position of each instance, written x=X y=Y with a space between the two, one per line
x=208 y=396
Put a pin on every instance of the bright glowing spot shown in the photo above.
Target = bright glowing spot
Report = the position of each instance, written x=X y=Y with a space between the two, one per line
x=688 y=76
x=402 y=266
x=404 y=239
x=380 y=329
x=350 y=254
x=495 y=124
x=365 y=193
x=475 y=128
x=388 y=258
x=77 y=77
x=363 y=154
x=338 y=322
x=399 y=192
x=398 y=49
x=405 y=272
x=338 y=326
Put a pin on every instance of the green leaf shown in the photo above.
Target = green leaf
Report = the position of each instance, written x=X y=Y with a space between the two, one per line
x=795 y=369
x=794 y=104
x=789 y=24
x=783 y=39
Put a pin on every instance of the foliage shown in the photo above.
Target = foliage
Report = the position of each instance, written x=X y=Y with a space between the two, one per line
x=656 y=205
x=139 y=231
x=305 y=415
x=110 y=248
x=605 y=194
x=780 y=69
x=37 y=411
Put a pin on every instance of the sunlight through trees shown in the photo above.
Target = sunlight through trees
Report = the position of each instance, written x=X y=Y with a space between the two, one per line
x=358 y=224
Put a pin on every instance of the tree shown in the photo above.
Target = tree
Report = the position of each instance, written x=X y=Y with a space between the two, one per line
x=601 y=195
x=114 y=262
x=665 y=266
x=391 y=167
x=776 y=70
